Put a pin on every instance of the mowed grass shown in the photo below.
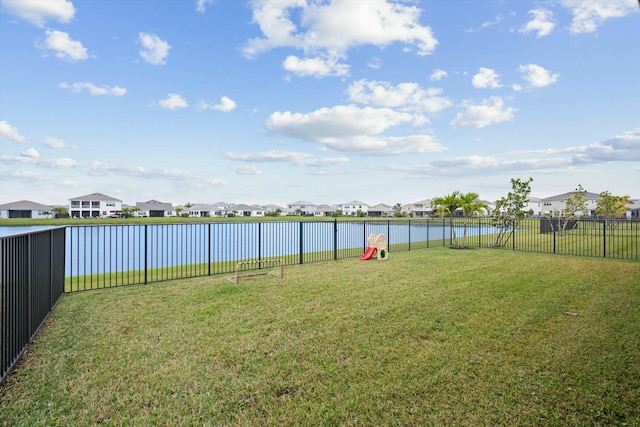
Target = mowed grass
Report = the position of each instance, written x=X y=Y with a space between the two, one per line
x=428 y=337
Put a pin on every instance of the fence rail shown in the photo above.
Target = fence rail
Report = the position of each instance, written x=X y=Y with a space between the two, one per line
x=37 y=268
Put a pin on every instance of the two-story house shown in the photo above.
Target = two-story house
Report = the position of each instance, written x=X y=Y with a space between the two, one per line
x=94 y=205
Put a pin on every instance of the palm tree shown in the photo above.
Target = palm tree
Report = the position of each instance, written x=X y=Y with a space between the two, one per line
x=470 y=204
x=448 y=205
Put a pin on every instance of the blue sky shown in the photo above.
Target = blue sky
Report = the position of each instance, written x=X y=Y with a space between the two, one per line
x=275 y=101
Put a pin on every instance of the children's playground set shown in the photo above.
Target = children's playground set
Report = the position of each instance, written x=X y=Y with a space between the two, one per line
x=378 y=246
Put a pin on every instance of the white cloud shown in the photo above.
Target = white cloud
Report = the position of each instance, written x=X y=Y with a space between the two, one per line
x=351 y=129
x=173 y=102
x=55 y=143
x=269 y=156
x=329 y=29
x=294 y=157
x=93 y=89
x=64 y=47
x=375 y=63
x=408 y=96
x=9 y=132
x=588 y=15
x=542 y=22
x=202 y=4
x=317 y=67
x=486 y=78
x=154 y=50
x=621 y=148
x=226 y=104
x=498 y=19
x=537 y=76
x=437 y=75
x=31 y=153
x=489 y=111
x=247 y=170
x=38 y=12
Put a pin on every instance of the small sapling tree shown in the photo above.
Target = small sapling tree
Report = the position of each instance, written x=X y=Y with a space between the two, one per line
x=575 y=203
x=509 y=210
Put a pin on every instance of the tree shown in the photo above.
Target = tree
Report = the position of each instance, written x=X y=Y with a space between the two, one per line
x=575 y=203
x=397 y=209
x=447 y=205
x=509 y=210
x=470 y=204
x=611 y=207
x=60 y=212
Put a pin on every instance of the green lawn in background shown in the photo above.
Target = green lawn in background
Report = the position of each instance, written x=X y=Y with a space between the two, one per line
x=435 y=336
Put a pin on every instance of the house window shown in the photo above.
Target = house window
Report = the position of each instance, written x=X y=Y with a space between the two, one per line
x=85 y=204
x=75 y=204
x=112 y=204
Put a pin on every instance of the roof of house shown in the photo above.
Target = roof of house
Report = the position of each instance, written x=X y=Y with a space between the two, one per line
x=381 y=207
x=97 y=196
x=24 y=205
x=154 y=205
x=302 y=203
x=564 y=196
x=354 y=202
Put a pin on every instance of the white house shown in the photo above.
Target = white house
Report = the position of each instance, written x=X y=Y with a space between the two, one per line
x=246 y=210
x=554 y=205
x=206 y=210
x=25 y=209
x=418 y=209
x=381 y=210
x=94 y=205
x=352 y=208
x=301 y=208
x=154 y=209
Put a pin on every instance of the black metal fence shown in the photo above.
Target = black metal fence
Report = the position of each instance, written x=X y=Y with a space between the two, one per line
x=37 y=268
x=32 y=282
x=101 y=256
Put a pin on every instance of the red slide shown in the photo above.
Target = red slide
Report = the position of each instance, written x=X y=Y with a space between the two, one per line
x=368 y=254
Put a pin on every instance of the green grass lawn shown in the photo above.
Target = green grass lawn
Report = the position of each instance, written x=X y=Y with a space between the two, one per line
x=435 y=336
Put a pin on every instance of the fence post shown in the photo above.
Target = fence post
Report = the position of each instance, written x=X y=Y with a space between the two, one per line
x=259 y=243
x=604 y=238
x=209 y=249
x=409 y=220
x=145 y=254
x=301 y=243
x=335 y=239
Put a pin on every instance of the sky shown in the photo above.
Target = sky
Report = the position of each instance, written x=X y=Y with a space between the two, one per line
x=326 y=101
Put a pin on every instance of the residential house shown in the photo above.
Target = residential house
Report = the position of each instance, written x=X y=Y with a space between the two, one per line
x=534 y=206
x=301 y=208
x=154 y=209
x=246 y=210
x=554 y=205
x=25 y=209
x=418 y=209
x=633 y=209
x=326 y=210
x=274 y=208
x=353 y=208
x=96 y=205
x=206 y=210
x=381 y=210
